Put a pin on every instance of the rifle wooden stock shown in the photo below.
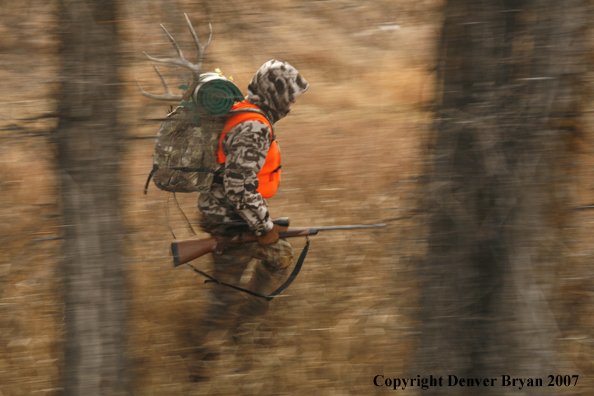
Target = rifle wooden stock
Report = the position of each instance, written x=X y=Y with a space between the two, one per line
x=191 y=249
x=184 y=251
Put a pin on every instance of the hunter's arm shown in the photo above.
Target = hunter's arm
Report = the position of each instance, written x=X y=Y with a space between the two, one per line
x=246 y=146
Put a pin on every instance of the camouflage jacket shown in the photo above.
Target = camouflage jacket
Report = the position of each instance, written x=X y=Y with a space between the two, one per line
x=272 y=89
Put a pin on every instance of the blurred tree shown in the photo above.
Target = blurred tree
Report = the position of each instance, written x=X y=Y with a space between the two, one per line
x=510 y=88
x=88 y=141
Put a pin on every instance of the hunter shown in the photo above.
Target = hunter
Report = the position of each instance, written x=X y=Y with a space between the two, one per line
x=251 y=173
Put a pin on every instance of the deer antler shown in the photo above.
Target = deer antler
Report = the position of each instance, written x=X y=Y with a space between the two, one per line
x=179 y=61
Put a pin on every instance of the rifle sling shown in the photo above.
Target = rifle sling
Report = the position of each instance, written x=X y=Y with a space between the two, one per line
x=293 y=275
x=275 y=293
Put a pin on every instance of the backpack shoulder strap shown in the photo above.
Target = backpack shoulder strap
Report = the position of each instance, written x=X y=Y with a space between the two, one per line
x=257 y=111
x=239 y=115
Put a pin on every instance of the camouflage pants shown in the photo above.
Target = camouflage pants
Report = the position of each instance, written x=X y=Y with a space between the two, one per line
x=228 y=305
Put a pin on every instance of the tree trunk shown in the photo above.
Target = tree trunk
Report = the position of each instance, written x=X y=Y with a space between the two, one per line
x=88 y=141
x=510 y=73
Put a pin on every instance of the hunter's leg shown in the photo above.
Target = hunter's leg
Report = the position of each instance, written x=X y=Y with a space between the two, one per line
x=269 y=273
x=221 y=315
x=224 y=301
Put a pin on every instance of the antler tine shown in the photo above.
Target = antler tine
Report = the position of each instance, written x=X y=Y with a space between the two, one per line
x=172 y=40
x=163 y=80
x=192 y=31
x=167 y=96
x=199 y=47
x=209 y=35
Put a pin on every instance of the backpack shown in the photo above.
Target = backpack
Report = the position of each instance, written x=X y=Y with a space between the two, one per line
x=185 y=156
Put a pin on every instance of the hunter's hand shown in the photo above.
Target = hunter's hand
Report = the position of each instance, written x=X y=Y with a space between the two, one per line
x=271 y=237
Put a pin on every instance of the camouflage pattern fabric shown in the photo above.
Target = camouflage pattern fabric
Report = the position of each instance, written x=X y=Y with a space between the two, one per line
x=226 y=303
x=183 y=146
x=272 y=89
x=237 y=199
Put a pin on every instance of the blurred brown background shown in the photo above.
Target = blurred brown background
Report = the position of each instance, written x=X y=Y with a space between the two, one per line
x=356 y=149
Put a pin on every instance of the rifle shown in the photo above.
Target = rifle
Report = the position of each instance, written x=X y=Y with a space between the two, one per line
x=185 y=251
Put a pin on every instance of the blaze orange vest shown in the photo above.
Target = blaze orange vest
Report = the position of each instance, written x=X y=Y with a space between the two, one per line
x=270 y=174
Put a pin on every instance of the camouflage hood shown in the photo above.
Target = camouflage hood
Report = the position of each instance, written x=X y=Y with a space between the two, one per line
x=274 y=87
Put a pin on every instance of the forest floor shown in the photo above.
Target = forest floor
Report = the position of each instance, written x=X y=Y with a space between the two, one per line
x=354 y=151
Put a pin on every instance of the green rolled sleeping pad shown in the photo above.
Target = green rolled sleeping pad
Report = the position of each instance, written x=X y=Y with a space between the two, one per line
x=215 y=95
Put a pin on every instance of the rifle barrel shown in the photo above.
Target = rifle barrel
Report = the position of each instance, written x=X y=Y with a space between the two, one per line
x=349 y=227
x=304 y=231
